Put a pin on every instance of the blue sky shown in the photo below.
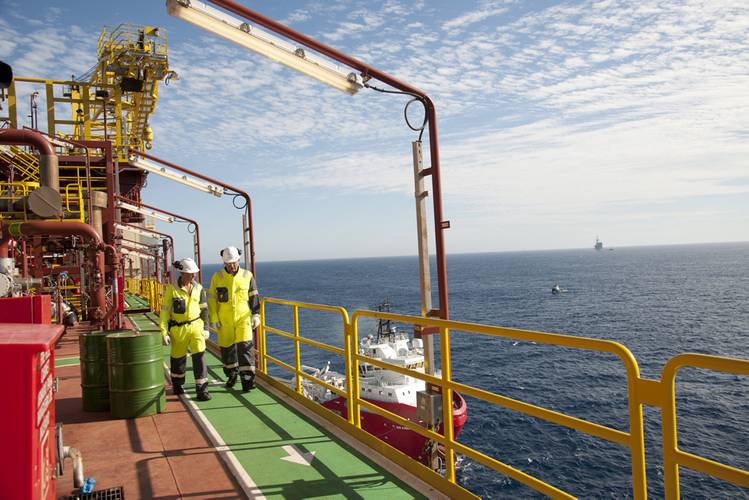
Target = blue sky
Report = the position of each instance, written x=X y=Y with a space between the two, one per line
x=559 y=121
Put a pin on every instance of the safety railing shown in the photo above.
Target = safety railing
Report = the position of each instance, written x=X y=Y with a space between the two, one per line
x=673 y=457
x=13 y=191
x=148 y=289
x=640 y=391
x=74 y=194
x=295 y=336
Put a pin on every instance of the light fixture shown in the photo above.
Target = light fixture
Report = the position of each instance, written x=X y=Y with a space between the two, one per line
x=265 y=44
x=178 y=177
x=146 y=256
x=145 y=211
x=137 y=245
x=137 y=230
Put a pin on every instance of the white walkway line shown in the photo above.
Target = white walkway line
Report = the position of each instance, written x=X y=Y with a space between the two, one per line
x=248 y=486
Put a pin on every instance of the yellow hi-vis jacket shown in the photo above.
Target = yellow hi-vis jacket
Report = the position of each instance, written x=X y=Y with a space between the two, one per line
x=195 y=307
x=232 y=300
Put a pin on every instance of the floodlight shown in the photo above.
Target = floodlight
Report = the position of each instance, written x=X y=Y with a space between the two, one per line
x=144 y=211
x=137 y=230
x=265 y=44
x=146 y=256
x=178 y=177
x=137 y=245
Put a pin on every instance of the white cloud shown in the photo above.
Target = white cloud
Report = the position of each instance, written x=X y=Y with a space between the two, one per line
x=617 y=102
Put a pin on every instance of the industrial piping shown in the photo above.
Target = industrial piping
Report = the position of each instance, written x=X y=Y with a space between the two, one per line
x=46 y=200
x=249 y=257
x=85 y=231
x=49 y=171
x=171 y=214
x=367 y=71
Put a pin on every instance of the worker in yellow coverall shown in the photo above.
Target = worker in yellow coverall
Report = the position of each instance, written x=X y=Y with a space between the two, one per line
x=234 y=310
x=184 y=315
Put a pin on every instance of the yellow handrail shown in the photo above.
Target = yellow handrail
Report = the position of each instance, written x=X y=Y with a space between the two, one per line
x=672 y=456
x=640 y=391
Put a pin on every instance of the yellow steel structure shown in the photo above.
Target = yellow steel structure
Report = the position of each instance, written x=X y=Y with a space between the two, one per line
x=132 y=60
x=640 y=391
x=112 y=101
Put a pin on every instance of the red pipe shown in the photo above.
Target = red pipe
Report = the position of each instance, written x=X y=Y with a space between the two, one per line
x=164 y=237
x=28 y=138
x=49 y=170
x=171 y=214
x=228 y=187
x=115 y=296
x=5 y=245
x=85 y=231
x=372 y=72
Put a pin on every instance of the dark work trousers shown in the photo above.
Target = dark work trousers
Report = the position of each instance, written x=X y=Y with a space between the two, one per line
x=179 y=367
x=239 y=356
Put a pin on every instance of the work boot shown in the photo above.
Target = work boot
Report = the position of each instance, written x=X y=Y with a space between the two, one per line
x=231 y=381
x=177 y=390
x=202 y=391
x=249 y=383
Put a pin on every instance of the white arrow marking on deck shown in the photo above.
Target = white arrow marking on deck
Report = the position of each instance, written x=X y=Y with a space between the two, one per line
x=297 y=457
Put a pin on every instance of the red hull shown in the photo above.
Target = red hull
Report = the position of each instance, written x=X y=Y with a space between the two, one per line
x=397 y=436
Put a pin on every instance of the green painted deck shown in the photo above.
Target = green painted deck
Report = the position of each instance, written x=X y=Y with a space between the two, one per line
x=67 y=361
x=265 y=435
x=135 y=302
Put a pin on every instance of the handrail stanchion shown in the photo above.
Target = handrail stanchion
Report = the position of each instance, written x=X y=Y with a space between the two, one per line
x=351 y=374
x=447 y=404
x=355 y=369
x=297 y=350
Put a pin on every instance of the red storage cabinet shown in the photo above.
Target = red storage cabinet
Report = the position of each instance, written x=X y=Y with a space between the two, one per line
x=27 y=411
x=26 y=309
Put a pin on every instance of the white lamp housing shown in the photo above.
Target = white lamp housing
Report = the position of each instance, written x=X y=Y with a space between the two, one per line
x=137 y=230
x=124 y=251
x=264 y=43
x=173 y=175
x=135 y=244
x=144 y=211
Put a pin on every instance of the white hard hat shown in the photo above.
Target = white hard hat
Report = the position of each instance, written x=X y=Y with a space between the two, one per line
x=186 y=266
x=230 y=254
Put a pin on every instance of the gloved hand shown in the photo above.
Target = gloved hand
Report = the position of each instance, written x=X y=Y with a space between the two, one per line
x=215 y=326
x=255 y=321
x=206 y=334
x=167 y=339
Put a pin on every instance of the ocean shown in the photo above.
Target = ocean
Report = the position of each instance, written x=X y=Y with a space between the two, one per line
x=657 y=301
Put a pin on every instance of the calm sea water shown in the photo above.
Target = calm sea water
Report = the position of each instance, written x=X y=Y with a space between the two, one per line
x=657 y=301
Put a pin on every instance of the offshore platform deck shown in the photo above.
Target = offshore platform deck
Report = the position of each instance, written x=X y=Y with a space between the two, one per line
x=254 y=445
x=75 y=234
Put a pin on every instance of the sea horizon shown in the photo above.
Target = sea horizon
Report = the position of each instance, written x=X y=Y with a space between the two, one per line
x=492 y=252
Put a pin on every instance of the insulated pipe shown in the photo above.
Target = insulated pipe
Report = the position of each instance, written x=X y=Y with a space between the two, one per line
x=228 y=187
x=85 y=231
x=372 y=72
x=75 y=455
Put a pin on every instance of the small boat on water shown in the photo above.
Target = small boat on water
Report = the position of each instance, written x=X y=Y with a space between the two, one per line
x=556 y=289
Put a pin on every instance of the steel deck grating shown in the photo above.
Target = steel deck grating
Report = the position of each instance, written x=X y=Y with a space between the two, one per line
x=116 y=493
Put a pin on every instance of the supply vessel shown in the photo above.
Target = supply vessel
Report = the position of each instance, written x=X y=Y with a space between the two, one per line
x=82 y=271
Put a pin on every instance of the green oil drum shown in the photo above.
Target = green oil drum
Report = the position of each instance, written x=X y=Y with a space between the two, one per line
x=136 y=374
x=94 y=371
